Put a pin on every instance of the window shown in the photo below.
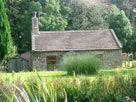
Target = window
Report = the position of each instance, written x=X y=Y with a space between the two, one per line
x=51 y=62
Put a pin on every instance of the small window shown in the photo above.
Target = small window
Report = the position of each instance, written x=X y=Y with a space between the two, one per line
x=51 y=62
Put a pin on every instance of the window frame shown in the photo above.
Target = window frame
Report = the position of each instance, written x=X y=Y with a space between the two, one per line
x=51 y=60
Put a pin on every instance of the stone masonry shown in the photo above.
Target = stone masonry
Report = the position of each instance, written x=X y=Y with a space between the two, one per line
x=110 y=58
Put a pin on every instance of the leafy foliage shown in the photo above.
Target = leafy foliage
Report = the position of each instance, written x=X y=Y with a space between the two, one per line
x=20 y=14
x=127 y=6
x=6 y=44
x=120 y=24
x=53 y=19
x=87 y=16
x=131 y=44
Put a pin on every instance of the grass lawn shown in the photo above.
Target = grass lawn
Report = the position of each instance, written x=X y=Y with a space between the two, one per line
x=25 y=75
x=22 y=76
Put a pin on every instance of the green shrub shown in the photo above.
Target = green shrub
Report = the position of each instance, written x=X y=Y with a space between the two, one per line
x=12 y=53
x=80 y=63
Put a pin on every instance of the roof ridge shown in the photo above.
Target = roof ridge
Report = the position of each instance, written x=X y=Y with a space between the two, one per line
x=73 y=31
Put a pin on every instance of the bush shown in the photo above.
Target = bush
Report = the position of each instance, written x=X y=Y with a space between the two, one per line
x=12 y=53
x=80 y=63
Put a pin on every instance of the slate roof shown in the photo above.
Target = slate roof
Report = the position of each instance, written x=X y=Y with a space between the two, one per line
x=75 y=40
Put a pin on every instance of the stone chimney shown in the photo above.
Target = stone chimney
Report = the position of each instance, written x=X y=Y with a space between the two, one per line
x=35 y=24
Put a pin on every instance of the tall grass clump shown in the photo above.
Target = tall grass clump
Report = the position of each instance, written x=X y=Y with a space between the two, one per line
x=80 y=63
x=117 y=88
x=36 y=90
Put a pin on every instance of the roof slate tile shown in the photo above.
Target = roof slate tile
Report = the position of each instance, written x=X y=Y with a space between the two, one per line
x=75 y=40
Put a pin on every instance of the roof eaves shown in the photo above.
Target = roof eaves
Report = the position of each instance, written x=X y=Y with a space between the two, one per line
x=116 y=39
x=78 y=49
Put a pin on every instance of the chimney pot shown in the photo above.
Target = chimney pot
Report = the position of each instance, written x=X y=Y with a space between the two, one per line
x=34 y=14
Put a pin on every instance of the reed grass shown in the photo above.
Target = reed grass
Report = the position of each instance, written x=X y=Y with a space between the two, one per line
x=117 y=87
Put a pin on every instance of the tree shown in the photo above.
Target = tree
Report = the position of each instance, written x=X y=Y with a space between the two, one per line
x=87 y=16
x=17 y=11
x=27 y=25
x=5 y=33
x=130 y=47
x=20 y=13
x=127 y=6
x=53 y=20
x=120 y=24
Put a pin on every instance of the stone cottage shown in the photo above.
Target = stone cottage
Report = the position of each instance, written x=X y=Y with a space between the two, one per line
x=48 y=46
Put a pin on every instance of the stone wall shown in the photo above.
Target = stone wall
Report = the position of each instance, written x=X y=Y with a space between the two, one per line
x=39 y=59
x=110 y=58
x=27 y=56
